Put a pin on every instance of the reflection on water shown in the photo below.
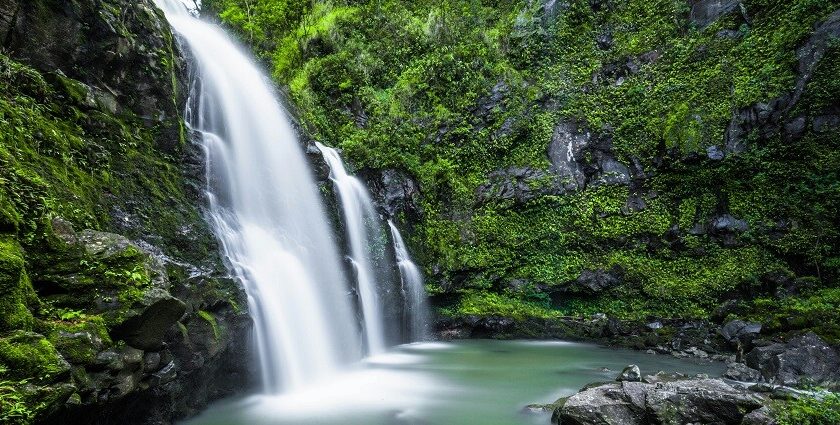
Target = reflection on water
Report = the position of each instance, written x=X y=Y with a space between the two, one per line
x=435 y=383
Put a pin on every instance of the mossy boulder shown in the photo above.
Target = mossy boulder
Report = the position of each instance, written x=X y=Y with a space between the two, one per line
x=30 y=355
x=80 y=341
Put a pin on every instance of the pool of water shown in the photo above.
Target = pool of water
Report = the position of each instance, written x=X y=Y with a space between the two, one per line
x=448 y=383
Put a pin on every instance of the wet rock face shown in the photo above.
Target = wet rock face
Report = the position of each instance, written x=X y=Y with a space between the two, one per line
x=119 y=47
x=579 y=159
x=767 y=118
x=163 y=332
x=567 y=146
x=145 y=324
x=393 y=191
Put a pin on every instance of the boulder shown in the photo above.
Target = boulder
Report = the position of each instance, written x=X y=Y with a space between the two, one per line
x=630 y=373
x=698 y=400
x=740 y=332
x=154 y=315
x=741 y=372
x=610 y=404
x=804 y=360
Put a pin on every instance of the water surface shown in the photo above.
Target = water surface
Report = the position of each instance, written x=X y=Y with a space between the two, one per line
x=454 y=383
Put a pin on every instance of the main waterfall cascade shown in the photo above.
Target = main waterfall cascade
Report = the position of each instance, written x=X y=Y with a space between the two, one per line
x=266 y=212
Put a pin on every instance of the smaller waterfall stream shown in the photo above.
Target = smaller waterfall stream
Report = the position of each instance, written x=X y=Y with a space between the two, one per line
x=362 y=228
x=416 y=299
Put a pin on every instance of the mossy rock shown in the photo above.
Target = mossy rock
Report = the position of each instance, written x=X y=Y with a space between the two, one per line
x=30 y=355
x=80 y=341
x=17 y=291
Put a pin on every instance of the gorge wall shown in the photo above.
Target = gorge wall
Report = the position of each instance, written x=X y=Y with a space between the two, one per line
x=665 y=159
x=116 y=305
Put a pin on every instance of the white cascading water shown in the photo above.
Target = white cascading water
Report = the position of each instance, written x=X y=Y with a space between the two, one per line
x=416 y=300
x=361 y=225
x=267 y=214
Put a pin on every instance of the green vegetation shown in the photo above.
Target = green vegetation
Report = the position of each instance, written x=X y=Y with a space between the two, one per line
x=823 y=409
x=404 y=85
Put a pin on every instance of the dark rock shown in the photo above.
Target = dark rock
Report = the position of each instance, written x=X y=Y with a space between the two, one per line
x=567 y=144
x=795 y=128
x=146 y=329
x=803 y=360
x=596 y=281
x=604 y=41
x=728 y=224
x=151 y=362
x=824 y=123
x=714 y=153
x=704 y=12
x=630 y=373
x=109 y=359
x=740 y=332
x=654 y=325
x=730 y=34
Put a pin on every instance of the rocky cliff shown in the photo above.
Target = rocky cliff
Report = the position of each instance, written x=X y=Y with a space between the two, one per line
x=643 y=159
x=116 y=306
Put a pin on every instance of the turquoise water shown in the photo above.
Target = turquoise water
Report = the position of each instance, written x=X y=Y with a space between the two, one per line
x=473 y=382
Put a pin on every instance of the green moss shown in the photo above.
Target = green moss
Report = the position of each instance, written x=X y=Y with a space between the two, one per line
x=17 y=291
x=211 y=320
x=814 y=310
x=81 y=338
x=485 y=304
x=26 y=355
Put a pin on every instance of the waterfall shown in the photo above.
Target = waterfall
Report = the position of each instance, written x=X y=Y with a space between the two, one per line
x=266 y=212
x=362 y=229
x=416 y=300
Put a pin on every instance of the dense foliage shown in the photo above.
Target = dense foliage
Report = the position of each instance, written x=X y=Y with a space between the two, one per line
x=824 y=409
x=451 y=91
